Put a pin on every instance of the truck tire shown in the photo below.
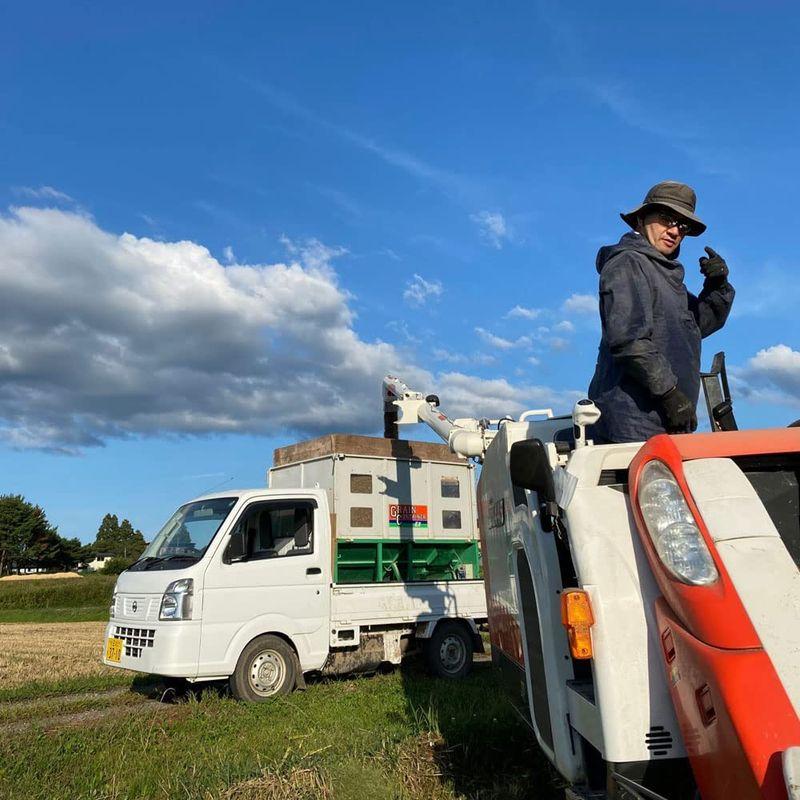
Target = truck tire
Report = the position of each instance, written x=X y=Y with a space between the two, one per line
x=266 y=668
x=449 y=651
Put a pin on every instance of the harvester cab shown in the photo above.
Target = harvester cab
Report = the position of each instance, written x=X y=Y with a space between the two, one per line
x=644 y=599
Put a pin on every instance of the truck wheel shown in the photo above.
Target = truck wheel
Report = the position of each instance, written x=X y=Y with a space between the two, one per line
x=449 y=651
x=266 y=668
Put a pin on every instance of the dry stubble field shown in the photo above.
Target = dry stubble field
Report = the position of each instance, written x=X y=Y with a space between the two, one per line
x=50 y=652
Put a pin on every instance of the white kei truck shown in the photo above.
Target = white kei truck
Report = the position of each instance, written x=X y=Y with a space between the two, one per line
x=361 y=550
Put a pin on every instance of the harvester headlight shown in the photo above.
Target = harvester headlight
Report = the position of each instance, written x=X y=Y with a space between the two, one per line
x=177 y=600
x=672 y=528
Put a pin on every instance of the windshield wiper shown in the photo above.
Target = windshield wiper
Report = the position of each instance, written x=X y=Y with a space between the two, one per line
x=142 y=561
x=153 y=560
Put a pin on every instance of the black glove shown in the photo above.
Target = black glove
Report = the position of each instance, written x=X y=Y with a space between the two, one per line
x=678 y=411
x=714 y=268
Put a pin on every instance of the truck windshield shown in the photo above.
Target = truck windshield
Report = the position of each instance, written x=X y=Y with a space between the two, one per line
x=186 y=535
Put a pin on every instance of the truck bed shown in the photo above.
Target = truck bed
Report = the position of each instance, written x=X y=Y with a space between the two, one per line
x=386 y=603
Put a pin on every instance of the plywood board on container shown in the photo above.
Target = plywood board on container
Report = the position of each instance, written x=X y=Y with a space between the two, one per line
x=352 y=445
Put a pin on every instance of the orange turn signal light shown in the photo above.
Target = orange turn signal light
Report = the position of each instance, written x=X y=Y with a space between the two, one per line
x=577 y=618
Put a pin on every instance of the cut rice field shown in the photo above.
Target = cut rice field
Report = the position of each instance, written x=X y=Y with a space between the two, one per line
x=71 y=728
x=50 y=653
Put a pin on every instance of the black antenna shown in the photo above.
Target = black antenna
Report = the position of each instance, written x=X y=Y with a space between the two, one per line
x=217 y=485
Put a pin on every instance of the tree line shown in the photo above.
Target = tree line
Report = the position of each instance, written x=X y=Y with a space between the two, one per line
x=29 y=541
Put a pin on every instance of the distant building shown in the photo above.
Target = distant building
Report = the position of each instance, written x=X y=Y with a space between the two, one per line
x=99 y=561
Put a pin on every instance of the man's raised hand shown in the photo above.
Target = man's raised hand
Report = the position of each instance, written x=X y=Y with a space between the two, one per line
x=714 y=267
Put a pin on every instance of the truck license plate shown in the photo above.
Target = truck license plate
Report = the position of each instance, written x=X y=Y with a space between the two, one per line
x=114 y=650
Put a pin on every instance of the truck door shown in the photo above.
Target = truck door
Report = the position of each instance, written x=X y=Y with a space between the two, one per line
x=270 y=576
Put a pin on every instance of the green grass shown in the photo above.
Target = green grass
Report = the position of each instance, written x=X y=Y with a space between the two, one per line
x=77 y=614
x=85 y=683
x=92 y=590
x=49 y=708
x=401 y=736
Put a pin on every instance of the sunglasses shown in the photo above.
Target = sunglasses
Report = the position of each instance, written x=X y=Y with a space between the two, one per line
x=669 y=221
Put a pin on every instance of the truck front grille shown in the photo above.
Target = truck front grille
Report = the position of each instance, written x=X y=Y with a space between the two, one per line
x=135 y=639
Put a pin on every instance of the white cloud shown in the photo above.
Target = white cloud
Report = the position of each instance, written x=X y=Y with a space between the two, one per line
x=418 y=291
x=580 y=304
x=389 y=253
x=450 y=183
x=44 y=193
x=565 y=326
x=312 y=253
x=400 y=328
x=464 y=395
x=499 y=342
x=524 y=313
x=559 y=343
x=493 y=228
x=439 y=354
x=229 y=255
x=110 y=336
x=772 y=375
x=106 y=336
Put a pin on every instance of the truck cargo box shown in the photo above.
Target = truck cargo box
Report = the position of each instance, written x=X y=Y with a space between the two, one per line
x=404 y=511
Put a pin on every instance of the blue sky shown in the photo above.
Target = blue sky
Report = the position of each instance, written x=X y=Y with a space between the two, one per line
x=220 y=225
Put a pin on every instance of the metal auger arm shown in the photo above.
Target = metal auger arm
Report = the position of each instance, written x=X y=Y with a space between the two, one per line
x=403 y=406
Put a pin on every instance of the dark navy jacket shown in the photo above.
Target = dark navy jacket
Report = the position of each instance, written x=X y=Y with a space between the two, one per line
x=652 y=327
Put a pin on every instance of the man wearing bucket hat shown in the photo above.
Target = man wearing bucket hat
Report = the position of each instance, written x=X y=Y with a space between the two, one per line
x=647 y=377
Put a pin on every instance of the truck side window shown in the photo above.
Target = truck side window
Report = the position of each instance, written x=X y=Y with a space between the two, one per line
x=272 y=530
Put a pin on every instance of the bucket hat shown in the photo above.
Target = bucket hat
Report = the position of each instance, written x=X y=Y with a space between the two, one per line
x=677 y=197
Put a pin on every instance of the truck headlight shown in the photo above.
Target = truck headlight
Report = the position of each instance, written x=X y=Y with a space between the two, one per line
x=672 y=528
x=176 y=602
x=112 y=609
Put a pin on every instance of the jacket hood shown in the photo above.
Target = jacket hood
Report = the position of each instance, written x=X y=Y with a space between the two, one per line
x=635 y=242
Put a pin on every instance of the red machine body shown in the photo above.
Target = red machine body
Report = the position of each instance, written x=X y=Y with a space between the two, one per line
x=735 y=715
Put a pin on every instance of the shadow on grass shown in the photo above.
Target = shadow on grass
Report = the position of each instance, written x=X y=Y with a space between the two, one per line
x=481 y=747
x=176 y=690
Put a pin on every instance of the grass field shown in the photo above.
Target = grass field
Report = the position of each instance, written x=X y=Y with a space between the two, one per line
x=79 y=614
x=72 y=728
x=401 y=735
x=56 y=600
x=92 y=590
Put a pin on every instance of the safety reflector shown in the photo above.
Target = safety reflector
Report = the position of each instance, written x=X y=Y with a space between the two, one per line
x=668 y=645
x=705 y=705
x=577 y=618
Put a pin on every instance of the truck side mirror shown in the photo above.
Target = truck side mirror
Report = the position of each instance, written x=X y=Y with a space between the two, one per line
x=301 y=537
x=530 y=468
x=235 y=551
x=301 y=528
